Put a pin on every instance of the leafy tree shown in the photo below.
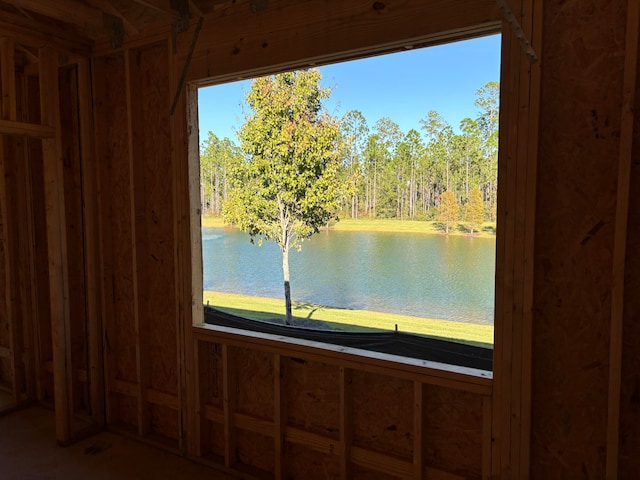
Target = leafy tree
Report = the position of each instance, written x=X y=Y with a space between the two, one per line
x=474 y=211
x=216 y=158
x=287 y=186
x=354 y=132
x=449 y=210
x=488 y=101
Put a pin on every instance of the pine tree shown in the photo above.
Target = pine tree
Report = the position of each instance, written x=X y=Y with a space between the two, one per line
x=474 y=211
x=449 y=210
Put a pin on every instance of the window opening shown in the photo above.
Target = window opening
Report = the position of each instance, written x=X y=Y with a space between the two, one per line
x=397 y=155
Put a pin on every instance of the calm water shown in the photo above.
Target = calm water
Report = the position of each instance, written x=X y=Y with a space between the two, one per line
x=429 y=276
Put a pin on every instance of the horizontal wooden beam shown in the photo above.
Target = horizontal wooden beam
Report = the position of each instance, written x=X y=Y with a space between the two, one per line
x=31 y=130
x=86 y=18
x=153 y=396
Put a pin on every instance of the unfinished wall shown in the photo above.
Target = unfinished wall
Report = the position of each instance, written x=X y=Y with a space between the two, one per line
x=137 y=221
x=321 y=407
x=580 y=134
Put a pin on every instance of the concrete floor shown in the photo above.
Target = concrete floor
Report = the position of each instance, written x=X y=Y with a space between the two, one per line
x=28 y=451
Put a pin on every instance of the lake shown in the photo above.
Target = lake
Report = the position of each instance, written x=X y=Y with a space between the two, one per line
x=428 y=276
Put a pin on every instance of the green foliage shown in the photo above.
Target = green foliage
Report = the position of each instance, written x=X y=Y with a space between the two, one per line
x=381 y=171
x=449 y=210
x=287 y=186
x=474 y=211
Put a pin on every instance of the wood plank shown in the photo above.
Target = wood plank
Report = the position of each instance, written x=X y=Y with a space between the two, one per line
x=486 y=438
x=380 y=462
x=56 y=237
x=5 y=352
x=534 y=12
x=141 y=366
x=319 y=443
x=229 y=402
x=162 y=399
x=253 y=45
x=186 y=351
x=346 y=421
x=10 y=127
x=431 y=373
x=8 y=113
x=212 y=413
x=279 y=417
x=625 y=159
x=87 y=19
x=418 y=429
x=92 y=246
x=8 y=77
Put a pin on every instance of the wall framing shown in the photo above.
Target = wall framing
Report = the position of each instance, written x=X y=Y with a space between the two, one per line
x=507 y=446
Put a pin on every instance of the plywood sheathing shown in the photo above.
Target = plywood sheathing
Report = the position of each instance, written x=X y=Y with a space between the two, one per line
x=138 y=233
x=115 y=215
x=629 y=434
x=579 y=139
x=153 y=205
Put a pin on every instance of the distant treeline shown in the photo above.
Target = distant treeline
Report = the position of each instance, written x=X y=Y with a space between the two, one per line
x=387 y=173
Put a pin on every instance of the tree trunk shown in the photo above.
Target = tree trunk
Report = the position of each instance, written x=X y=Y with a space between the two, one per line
x=287 y=287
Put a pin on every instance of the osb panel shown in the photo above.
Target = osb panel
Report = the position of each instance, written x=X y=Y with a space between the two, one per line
x=312 y=396
x=255 y=450
x=629 y=460
x=452 y=435
x=110 y=104
x=210 y=373
x=163 y=421
x=154 y=214
x=383 y=414
x=254 y=381
x=575 y=208
x=303 y=463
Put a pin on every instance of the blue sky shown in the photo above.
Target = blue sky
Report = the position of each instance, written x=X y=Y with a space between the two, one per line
x=402 y=86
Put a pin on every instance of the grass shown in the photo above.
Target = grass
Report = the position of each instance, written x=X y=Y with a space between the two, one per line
x=260 y=308
x=387 y=225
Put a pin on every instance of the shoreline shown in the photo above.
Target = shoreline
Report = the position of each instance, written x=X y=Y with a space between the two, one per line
x=268 y=309
x=382 y=226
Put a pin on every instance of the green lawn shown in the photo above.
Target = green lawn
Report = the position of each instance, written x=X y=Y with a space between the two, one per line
x=260 y=308
x=385 y=225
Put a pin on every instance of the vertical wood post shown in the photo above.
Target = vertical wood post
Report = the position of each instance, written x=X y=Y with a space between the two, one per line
x=93 y=252
x=346 y=421
x=57 y=243
x=7 y=75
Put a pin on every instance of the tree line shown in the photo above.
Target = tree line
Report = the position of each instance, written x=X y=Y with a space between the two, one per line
x=431 y=172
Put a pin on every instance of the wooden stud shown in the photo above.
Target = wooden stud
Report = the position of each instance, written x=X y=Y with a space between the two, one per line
x=625 y=158
x=93 y=253
x=57 y=242
x=418 y=429
x=193 y=294
x=229 y=402
x=141 y=367
x=346 y=421
x=279 y=418
x=9 y=107
x=486 y=438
